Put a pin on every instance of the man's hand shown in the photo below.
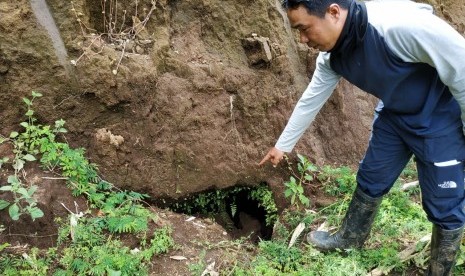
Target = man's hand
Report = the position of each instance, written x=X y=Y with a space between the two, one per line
x=274 y=156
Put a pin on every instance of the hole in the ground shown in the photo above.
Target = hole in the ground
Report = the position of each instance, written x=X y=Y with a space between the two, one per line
x=242 y=211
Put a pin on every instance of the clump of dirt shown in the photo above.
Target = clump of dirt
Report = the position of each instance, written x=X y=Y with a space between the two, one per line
x=197 y=106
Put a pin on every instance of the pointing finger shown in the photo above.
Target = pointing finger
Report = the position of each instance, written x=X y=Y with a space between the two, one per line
x=266 y=158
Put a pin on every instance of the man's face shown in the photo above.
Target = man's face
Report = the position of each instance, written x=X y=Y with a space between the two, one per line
x=316 y=32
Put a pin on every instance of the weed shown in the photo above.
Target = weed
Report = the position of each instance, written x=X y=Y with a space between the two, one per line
x=279 y=257
x=265 y=199
x=161 y=243
x=24 y=149
x=28 y=264
x=198 y=267
x=337 y=181
x=81 y=176
x=92 y=252
x=116 y=32
x=288 y=221
x=294 y=187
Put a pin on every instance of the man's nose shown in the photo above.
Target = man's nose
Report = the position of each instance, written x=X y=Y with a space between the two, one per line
x=303 y=38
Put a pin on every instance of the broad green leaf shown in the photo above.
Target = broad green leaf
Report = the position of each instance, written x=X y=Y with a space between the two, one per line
x=311 y=168
x=24 y=124
x=3 y=204
x=27 y=101
x=59 y=123
x=30 y=112
x=3 y=246
x=12 y=179
x=14 y=212
x=305 y=201
x=36 y=213
x=29 y=157
x=308 y=177
x=14 y=134
x=32 y=190
x=287 y=193
x=36 y=94
x=23 y=192
x=6 y=188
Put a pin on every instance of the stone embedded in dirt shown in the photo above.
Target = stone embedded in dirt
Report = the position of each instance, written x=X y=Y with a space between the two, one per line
x=257 y=49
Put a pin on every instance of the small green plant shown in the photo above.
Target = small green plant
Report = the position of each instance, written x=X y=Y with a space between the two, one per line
x=278 y=256
x=264 y=196
x=198 y=267
x=20 y=194
x=337 y=181
x=91 y=252
x=294 y=187
x=24 y=150
x=4 y=159
x=461 y=260
x=30 y=263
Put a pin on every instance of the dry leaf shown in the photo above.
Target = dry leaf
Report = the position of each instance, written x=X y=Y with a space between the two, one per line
x=178 y=258
x=297 y=231
x=190 y=219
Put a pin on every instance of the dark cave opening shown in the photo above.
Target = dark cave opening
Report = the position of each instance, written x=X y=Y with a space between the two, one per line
x=239 y=210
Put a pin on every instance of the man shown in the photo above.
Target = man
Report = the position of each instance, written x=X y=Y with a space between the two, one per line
x=414 y=63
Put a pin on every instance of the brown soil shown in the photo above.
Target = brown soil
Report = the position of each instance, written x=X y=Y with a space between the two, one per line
x=199 y=97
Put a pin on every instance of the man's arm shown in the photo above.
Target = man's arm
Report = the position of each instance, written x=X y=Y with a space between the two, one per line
x=319 y=90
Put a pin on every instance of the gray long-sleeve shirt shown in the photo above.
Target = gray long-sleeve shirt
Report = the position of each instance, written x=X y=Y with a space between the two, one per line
x=410 y=34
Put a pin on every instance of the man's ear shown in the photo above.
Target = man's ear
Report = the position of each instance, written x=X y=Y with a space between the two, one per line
x=334 y=10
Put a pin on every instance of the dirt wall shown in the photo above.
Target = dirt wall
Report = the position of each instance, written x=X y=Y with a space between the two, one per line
x=191 y=100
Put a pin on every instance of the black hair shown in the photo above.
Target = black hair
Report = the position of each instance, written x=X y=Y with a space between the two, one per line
x=315 y=7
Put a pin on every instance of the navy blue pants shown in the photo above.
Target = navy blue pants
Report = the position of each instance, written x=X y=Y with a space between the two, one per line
x=439 y=163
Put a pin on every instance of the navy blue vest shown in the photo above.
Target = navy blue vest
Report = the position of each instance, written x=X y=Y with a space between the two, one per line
x=414 y=97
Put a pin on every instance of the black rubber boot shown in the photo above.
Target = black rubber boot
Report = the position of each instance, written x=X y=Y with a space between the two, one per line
x=355 y=227
x=445 y=244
